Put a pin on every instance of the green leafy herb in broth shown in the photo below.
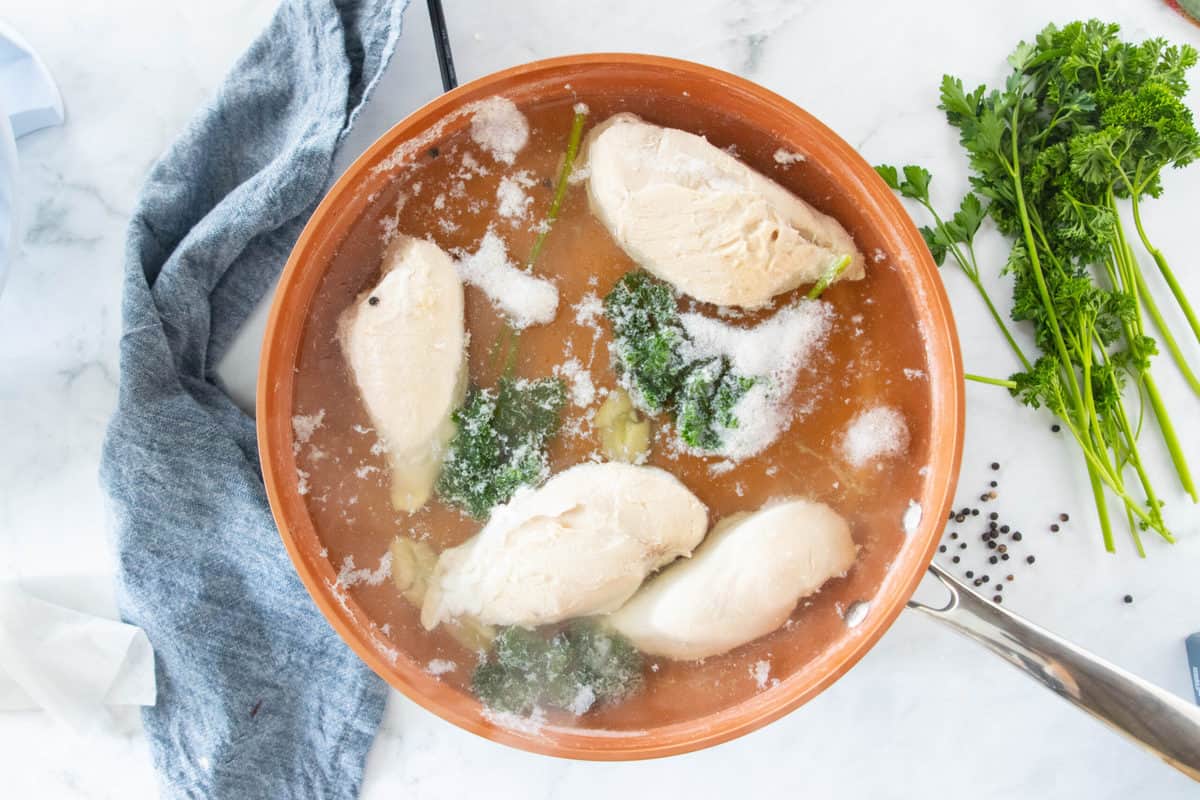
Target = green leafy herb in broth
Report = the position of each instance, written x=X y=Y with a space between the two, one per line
x=650 y=347
x=648 y=336
x=706 y=401
x=500 y=443
x=574 y=669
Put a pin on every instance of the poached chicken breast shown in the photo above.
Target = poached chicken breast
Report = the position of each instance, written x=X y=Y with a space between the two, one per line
x=702 y=220
x=405 y=341
x=742 y=583
x=579 y=545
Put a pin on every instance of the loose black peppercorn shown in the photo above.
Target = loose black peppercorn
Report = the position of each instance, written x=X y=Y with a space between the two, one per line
x=962 y=546
x=1128 y=598
x=434 y=152
x=978 y=582
x=993 y=484
x=999 y=586
x=970 y=574
x=995 y=465
x=956 y=559
x=961 y=518
x=983 y=497
x=1056 y=428
x=942 y=549
x=991 y=545
x=1064 y=517
x=985 y=579
x=1016 y=537
x=993 y=515
x=951 y=514
x=373 y=300
x=1003 y=548
x=998 y=599
x=1054 y=528
x=1004 y=529
x=1004 y=557
x=974 y=512
x=993 y=559
x=1030 y=560
x=954 y=535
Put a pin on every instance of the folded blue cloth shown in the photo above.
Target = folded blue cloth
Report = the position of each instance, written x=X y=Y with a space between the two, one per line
x=257 y=698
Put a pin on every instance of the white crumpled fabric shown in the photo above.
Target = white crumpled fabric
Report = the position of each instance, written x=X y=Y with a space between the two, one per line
x=63 y=650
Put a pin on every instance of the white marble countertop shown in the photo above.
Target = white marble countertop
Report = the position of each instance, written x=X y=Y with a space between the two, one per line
x=926 y=713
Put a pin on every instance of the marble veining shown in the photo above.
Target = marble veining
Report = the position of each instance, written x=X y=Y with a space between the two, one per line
x=925 y=714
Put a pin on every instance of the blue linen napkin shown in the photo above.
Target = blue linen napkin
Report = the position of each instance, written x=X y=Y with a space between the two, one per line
x=257 y=695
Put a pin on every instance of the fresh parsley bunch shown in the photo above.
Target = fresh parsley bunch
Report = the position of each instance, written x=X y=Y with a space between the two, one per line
x=1084 y=121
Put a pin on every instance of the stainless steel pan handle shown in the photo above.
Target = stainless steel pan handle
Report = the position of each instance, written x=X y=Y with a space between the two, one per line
x=1153 y=718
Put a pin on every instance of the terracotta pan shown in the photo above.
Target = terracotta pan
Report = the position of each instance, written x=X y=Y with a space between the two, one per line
x=654 y=77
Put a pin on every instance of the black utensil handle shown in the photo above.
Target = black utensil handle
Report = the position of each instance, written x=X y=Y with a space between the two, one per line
x=441 y=40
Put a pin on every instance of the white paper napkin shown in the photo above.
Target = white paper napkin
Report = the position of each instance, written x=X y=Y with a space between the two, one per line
x=63 y=650
x=29 y=101
x=27 y=89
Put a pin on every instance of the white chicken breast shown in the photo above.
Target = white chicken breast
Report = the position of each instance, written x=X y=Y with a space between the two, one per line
x=700 y=219
x=579 y=545
x=742 y=583
x=405 y=342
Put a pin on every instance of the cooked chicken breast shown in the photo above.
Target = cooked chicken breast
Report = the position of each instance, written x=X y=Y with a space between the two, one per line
x=742 y=583
x=697 y=217
x=405 y=342
x=579 y=545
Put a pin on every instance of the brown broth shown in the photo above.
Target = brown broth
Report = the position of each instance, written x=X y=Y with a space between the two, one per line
x=860 y=367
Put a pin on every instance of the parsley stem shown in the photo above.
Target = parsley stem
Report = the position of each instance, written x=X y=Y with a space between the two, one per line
x=1169 y=436
x=1134 y=284
x=1012 y=343
x=829 y=276
x=1102 y=470
x=1133 y=531
x=1143 y=292
x=509 y=339
x=1134 y=457
x=1089 y=399
x=971 y=270
x=1036 y=265
x=1093 y=461
x=1098 y=469
x=560 y=188
x=499 y=345
x=510 y=358
x=1137 y=539
x=1165 y=269
x=1098 y=496
x=990 y=381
